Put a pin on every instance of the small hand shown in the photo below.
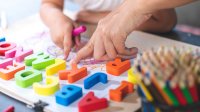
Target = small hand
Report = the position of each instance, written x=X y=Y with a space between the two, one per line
x=61 y=34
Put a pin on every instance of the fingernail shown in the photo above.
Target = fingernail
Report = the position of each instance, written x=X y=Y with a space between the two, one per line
x=72 y=61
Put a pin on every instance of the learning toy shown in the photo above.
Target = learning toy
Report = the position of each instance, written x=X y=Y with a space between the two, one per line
x=117 y=67
x=5 y=46
x=59 y=65
x=74 y=74
x=2 y=39
x=119 y=93
x=6 y=62
x=52 y=85
x=92 y=103
x=9 y=109
x=79 y=30
x=18 y=53
x=26 y=78
x=68 y=94
x=133 y=77
x=39 y=61
x=9 y=71
x=94 y=79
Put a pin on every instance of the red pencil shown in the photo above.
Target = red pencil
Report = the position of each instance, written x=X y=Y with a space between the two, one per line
x=193 y=88
x=177 y=92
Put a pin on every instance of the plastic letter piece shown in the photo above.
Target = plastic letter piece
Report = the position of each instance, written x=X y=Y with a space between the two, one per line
x=6 y=62
x=52 y=85
x=133 y=77
x=2 y=39
x=74 y=74
x=26 y=78
x=117 y=67
x=68 y=94
x=5 y=46
x=39 y=61
x=59 y=65
x=94 y=79
x=119 y=93
x=18 y=53
x=91 y=103
x=9 y=109
x=9 y=71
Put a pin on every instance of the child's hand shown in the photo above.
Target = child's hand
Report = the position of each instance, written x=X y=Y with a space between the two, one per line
x=60 y=25
x=61 y=34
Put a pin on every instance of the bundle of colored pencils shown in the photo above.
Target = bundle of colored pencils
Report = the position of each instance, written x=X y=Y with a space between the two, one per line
x=169 y=76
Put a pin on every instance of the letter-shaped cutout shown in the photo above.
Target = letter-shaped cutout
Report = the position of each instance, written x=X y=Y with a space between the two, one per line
x=133 y=77
x=39 y=61
x=117 y=67
x=2 y=39
x=94 y=79
x=5 y=46
x=6 y=62
x=92 y=103
x=68 y=94
x=53 y=69
x=74 y=74
x=119 y=93
x=18 y=53
x=26 y=78
x=52 y=85
x=8 y=69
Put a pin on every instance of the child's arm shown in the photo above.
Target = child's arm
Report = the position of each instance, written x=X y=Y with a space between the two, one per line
x=60 y=25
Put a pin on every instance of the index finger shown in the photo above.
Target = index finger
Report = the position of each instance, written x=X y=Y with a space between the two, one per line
x=67 y=44
x=86 y=51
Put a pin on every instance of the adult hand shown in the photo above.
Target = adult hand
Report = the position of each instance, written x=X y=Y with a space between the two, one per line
x=108 y=41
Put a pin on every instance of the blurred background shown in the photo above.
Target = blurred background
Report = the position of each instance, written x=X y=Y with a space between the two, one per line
x=19 y=9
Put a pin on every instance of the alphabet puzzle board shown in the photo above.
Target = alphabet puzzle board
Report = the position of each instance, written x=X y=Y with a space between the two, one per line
x=37 y=38
x=31 y=34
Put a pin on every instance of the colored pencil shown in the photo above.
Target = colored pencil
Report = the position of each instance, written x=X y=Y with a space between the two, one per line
x=177 y=92
x=170 y=76
x=169 y=93
x=155 y=94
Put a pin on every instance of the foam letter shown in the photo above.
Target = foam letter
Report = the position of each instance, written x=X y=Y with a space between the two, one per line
x=68 y=94
x=9 y=69
x=119 y=93
x=52 y=85
x=94 y=79
x=18 y=53
x=59 y=65
x=117 y=67
x=5 y=46
x=39 y=61
x=74 y=74
x=92 y=103
x=26 y=78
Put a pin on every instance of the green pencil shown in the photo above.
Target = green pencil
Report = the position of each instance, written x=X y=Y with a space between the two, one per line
x=170 y=94
x=186 y=92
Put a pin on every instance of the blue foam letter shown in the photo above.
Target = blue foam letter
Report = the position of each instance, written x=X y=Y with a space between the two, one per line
x=2 y=39
x=94 y=79
x=68 y=94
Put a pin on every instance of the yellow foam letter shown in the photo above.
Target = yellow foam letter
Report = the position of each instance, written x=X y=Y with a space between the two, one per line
x=52 y=85
x=53 y=69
